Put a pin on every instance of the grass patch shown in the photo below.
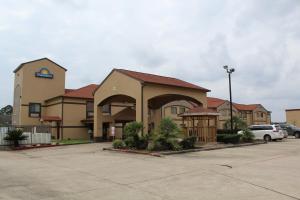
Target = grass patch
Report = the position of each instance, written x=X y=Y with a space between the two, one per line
x=71 y=141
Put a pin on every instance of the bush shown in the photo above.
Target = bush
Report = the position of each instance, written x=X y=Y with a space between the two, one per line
x=238 y=124
x=166 y=136
x=228 y=138
x=15 y=136
x=188 y=143
x=118 y=144
x=132 y=138
x=143 y=142
x=247 y=136
x=226 y=131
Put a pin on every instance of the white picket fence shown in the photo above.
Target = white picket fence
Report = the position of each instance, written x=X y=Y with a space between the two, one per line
x=32 y=138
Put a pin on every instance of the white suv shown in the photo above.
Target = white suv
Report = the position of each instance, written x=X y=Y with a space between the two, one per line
x=266 y=132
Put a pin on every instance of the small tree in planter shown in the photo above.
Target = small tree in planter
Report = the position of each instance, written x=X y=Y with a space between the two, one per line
x=166 y=136
x=132 y=137
x=15 y=136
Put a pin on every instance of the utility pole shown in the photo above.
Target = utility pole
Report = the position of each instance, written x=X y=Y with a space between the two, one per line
x=229 y=72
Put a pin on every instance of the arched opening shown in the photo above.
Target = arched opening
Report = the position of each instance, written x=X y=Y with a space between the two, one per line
x=116 y=111
x=159 y=101
x=169 y=105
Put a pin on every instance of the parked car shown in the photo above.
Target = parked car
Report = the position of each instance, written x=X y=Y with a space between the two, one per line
x=283 y=128
x=291 y=130
x=266 y=132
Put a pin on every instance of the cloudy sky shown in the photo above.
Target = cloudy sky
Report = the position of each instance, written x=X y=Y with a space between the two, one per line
x=189 y=39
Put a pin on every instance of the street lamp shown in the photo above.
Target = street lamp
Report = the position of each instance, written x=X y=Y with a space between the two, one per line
x=230 y=71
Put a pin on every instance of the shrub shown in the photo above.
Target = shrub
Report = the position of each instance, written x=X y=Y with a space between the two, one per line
x=15 y=136
x=118 y=144
x=247 y=136
x=231 y=138
x=132 y=138
x=220 y=137
x=228 y=138
x=188 y=143
x=143 y=142
x=238 y=124
x=166 y=136
x=225 y=131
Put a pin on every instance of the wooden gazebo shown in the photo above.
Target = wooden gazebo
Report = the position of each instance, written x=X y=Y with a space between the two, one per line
x=200 y=123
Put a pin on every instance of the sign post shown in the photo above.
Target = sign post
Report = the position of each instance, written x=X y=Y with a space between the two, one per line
x=113 y=132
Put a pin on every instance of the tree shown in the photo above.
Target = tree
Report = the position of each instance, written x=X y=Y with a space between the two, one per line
x=15 y=136
x=7 y=110
x=238 y=124
x=166 y=136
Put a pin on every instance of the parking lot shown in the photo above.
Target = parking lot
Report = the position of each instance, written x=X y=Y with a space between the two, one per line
x=267 y=171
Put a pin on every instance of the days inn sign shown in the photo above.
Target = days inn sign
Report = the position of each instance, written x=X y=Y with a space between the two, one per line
x=44 y=73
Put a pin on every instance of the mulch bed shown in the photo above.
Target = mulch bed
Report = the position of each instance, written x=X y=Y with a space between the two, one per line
x=196 y=149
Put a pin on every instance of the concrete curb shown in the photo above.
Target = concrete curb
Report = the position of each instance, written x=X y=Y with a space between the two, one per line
x=133 y=151
x=211 y=148
x=160 y=154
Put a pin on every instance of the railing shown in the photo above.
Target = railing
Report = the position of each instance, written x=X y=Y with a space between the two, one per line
x=34 y=135
x=203 y=134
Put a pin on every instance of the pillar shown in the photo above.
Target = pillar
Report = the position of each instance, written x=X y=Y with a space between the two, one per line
x=98 y=123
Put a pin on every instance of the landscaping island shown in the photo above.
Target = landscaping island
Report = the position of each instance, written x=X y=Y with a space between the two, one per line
x=168 y=139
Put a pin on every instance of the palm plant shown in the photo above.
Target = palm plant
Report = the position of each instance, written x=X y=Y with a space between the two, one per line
x=15 y=136
x=238 y=124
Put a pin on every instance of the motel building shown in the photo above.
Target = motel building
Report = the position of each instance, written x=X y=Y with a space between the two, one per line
x=41 y=99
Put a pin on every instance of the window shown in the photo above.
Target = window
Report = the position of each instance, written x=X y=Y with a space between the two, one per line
x=89 y=109
x=181 y=110
x=244 y=115
x=106 y=108
x=174 y=110
x=34 y=110
x=262 y=115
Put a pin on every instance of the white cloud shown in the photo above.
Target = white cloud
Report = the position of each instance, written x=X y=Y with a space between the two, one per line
x=190 y=40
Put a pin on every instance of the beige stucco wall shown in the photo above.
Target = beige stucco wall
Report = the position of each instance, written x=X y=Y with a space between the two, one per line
x=293 y=117
x=166 y=111
x=257 y=119
x=224 y=111
x=153 y=90
x=115 y=84
x=75 y=133
x=37 y=90
x=119 y=84
x=18 y=84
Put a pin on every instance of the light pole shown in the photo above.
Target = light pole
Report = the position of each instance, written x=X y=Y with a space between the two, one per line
x=230 y=71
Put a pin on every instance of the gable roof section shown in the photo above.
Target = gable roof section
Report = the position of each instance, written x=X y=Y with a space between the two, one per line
x=213 y=102
x=245 y=107
x=22 y=64
x=84 y=92
x=162 y=80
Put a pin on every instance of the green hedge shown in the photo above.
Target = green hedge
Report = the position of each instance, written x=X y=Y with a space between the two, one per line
x=225 y=131
x=188 y=143
x=228 y=138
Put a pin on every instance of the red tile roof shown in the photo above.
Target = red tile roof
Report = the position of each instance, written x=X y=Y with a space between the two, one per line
x=51 y=118
x=245 y=107
x=68 y=90
x=163 y=80
x=214 y=102
x=84 y=92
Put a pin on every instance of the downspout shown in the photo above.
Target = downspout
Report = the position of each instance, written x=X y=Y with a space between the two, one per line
x=62 y=118
x=142 y=103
